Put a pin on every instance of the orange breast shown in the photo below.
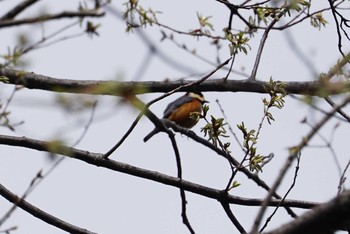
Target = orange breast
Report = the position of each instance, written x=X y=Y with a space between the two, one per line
x=181 y=116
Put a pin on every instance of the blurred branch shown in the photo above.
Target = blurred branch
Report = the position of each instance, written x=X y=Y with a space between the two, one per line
x=340 y=111
x=41 y=214
x=31 y=80
x=326 y=218
x=97 y=159
x=342 y=179
x=42 y=18
x=18 y=9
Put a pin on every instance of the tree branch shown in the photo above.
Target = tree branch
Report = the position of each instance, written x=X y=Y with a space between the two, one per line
x=42 y=18
x=18 y=9
x=31 y=80
x=97 y=159
x=42 y=215
x=326 y=218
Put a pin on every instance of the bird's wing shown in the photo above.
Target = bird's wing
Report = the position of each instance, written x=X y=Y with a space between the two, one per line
x=175 y=104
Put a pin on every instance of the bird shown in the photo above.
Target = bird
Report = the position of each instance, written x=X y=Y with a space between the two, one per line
x=179 y=111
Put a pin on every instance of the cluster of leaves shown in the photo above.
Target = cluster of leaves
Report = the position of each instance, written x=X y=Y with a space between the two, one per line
x=249 y=143
x=145 y=17
x=264 y=14
x=13 y=56
x=214 y=130
x=238 y=42
x=205 y=27
x=91 y=27
x=318 y=21
x=277 y=93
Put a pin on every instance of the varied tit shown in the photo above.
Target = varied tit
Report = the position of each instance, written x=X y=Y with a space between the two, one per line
x=179 y=111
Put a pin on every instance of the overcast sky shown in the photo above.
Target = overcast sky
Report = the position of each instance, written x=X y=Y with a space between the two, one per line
x=109 y=202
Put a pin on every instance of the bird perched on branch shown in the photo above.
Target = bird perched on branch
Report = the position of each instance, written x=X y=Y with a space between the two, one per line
x=179 y=111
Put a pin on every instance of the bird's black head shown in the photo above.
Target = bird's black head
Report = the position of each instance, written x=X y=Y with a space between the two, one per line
x=198 y=95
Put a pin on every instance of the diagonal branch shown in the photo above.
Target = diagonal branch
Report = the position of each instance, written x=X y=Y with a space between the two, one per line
x=326 y=218
x=97 y=159
x=18 y=9
x=50 y=219
x=230 y=214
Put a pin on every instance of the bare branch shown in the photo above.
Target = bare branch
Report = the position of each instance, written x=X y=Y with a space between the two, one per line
x=261 y=46
x=230 y=214
x=343 y=178
x=42 y=18
x=185 y=219
x=18 y=9
x=31 y=80
x=325 y=218
x=97 y=159
x=341 y=112
x=50 y=219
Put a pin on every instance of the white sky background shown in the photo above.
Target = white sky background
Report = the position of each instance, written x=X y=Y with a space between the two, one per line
x=108 y=202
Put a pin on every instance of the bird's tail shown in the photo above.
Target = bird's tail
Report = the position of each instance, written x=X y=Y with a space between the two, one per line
x=151 y=134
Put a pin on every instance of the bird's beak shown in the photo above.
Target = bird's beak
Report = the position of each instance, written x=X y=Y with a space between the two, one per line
x=205 y=101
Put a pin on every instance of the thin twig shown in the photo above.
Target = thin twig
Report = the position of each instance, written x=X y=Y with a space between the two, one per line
x=285 y=196
x=261 y=46
x=124 y=137
x=343 y=178
x=328 y=144
x=341 y=112
x=87 y=125
x=313 y=106
x=231 y=66
x=229 y=126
